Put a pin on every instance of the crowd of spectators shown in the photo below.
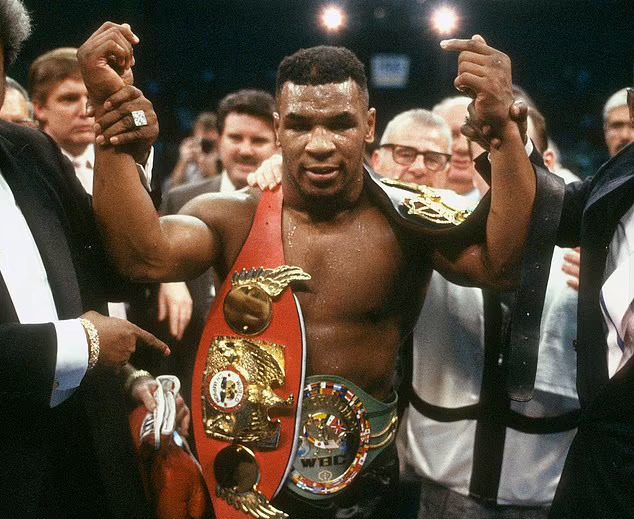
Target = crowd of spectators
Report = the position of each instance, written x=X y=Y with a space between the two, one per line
x=466 y=449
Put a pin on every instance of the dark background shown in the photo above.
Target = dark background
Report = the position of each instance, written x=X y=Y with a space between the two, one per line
x=569 y=55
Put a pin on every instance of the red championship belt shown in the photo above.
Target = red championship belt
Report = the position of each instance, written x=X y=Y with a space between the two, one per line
x=249 y=375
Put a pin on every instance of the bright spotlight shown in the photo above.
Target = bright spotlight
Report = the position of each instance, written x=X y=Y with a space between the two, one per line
x=444 y=20
x=333 y=18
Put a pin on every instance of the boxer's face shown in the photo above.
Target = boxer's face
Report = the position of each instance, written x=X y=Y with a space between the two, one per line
x=322 y=130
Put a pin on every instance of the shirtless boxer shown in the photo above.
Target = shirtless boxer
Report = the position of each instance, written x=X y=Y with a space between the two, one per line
x=367 y=274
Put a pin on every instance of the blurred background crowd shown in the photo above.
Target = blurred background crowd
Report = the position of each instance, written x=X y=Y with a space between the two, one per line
x=570 y=55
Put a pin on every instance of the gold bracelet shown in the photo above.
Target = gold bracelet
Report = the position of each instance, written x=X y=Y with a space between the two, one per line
x=93 y=342
x=133 y=377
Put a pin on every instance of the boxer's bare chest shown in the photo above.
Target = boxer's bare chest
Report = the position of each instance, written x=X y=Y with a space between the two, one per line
x=354 y=262
x=364 y=292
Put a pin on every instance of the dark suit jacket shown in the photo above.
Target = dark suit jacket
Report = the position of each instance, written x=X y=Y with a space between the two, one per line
x=75 y=460
x=181 y=362
x=177 y=197
x=598 y=477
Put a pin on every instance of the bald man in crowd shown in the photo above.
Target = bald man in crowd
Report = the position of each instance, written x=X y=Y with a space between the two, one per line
x=476 y=454
x=616 y=122
x=415 y=147
x=17 y=107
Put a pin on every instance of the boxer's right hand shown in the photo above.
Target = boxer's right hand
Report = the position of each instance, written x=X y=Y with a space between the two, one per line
x=118 y=340
x=106 y=60
x=268 y=175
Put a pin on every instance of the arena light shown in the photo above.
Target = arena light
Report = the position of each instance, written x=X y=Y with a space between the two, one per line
x=444 y=20
x=333 y=18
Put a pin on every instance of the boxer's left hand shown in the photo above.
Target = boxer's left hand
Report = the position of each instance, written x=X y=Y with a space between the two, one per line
x=484 y=73
x=484 y=136
x=116 y=126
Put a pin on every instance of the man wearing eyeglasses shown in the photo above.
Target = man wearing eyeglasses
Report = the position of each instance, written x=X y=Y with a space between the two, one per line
x=415 y=147
x=463 y=464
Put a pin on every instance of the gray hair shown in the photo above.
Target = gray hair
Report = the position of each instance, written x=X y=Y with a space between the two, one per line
x=15 y=28
x=420 y=117
x=451 y=102
x=14 y=85
x=616 y=100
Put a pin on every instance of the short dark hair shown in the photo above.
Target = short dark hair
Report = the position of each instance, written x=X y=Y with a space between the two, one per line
x=257 y=103
x=15 y=27
x=52 y=68
x=321 y=65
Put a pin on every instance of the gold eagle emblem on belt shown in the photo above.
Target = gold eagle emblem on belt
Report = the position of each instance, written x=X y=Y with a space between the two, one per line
x=248 y=307
x=429 y=203
x=238 y=391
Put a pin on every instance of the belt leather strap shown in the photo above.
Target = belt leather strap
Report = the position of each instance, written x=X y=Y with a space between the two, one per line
x=523 y=347
x=263 y=248
x=490 y=434
x=521 y=356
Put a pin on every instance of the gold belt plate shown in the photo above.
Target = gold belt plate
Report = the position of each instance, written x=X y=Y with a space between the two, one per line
x=428 y=204
x=334 y=439
x=238 y=391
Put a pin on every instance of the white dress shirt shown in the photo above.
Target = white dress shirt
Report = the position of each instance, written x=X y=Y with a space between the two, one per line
x=617 y=293
x=226 y=186
x=27 y=282
x=84 y=165
x=448 y=362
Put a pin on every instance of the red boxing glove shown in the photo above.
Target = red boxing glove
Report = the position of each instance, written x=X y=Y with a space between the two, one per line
x=171 y=475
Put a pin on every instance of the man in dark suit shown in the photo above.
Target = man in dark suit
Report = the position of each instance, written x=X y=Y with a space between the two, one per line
x=598 y=215
x=245 y=126
x=66 y=449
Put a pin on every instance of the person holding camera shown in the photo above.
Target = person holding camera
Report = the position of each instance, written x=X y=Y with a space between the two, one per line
x=197 y=157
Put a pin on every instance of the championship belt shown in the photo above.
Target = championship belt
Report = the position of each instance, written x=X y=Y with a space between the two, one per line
x=249 y=375
x=342 y=430
x=428 y=211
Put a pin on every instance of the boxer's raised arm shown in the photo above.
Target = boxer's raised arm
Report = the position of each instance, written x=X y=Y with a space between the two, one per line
x=142 y=246
x=485 y=74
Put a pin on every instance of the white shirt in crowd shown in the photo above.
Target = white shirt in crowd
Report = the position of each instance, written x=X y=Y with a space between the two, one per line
x=617 y=293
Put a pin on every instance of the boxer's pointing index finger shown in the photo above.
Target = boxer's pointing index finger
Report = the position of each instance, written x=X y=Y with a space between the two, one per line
x=474 y=45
